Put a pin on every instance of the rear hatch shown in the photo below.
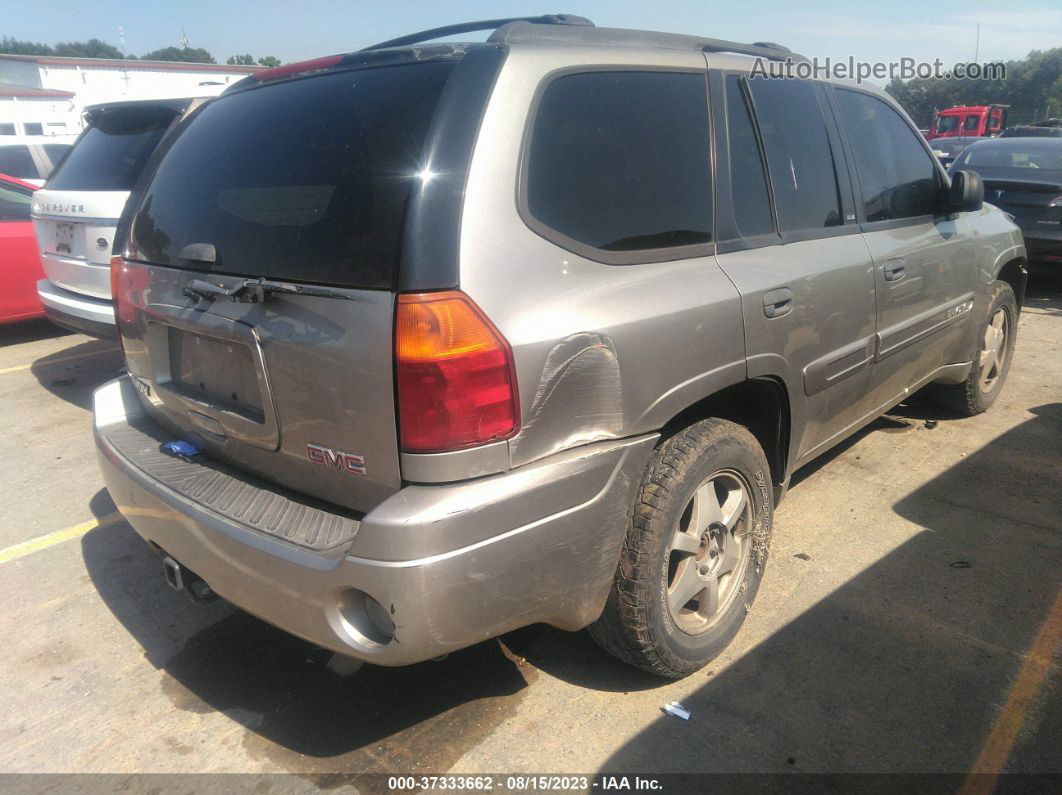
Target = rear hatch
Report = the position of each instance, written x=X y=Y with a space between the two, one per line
x=1035 y=205
x=303 y=183
x=75 y=214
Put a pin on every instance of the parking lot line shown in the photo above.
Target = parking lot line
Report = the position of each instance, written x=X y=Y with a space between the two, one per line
x=1008 y=723
x=64 y=360
x=59 y=536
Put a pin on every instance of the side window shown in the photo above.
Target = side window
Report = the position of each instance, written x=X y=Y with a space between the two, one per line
x=947 y=124
x=34 y=128
x=7 y=128
x=897 y=176
x=748 y=181
x=799 y=157
x=15 y=161
x=14 y=203
x=619 y=161
x=993 y=123
x=971 y=123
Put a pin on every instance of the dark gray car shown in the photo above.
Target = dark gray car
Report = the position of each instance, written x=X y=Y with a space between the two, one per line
x=1023 y=176
x=428 y=343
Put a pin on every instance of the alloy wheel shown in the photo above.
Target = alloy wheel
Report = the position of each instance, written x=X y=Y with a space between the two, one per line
x=993 y=350
x=709 y=551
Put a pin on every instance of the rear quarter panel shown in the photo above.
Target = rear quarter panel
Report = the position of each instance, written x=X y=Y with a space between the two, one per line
x=601 y=351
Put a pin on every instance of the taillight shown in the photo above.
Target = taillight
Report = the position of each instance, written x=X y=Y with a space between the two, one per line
x=120 y=307
x=116 y=268
x=454 y=372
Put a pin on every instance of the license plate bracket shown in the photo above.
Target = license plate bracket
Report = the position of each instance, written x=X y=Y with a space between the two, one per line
x=64 y=237
x=216 y=371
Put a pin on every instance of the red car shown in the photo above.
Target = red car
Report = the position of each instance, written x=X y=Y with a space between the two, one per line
x=20 y=263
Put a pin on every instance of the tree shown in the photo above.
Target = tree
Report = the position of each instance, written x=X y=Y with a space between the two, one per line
x=93 y=48
x=1033 y=86
x=269 y=60
x=184 y=54
x=241 y=60
x=16 y=47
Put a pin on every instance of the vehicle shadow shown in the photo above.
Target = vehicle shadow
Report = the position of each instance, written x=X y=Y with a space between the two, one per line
x=575 y=658
x=297 y=713
x=904 y=667
x=1044 y=289
x=74 y=373
x=30 y=331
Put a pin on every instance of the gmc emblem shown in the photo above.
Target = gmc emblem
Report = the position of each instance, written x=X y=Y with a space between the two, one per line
x=337 y=459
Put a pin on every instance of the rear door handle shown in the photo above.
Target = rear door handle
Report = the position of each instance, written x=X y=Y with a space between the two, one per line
x=894 y=270
x=778 y=302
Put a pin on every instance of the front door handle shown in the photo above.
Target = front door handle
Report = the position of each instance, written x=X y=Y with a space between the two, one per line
x=894 y=270
x=778 y=302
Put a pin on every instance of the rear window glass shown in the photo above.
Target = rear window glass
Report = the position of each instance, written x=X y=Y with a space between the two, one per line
x=799 y=157
x=15 y=161
x=113 y=151
x=748 y=182
x=619 y=160
x=304 y=180
x=1033 y=160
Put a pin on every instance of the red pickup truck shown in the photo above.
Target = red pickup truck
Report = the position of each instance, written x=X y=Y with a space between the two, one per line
x=968 y=120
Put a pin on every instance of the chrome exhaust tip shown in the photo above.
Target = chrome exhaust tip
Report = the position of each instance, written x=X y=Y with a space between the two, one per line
x=171 y=570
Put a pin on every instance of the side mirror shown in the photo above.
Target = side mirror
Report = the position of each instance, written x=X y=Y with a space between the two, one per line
x=967 y=192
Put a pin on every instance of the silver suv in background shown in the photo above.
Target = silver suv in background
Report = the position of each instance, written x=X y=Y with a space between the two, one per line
x=453 y=339
x=75 y=214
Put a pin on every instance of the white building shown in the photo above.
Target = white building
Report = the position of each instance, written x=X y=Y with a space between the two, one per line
x=45 y=94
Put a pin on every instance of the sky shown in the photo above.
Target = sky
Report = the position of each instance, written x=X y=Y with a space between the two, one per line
x=869 y=31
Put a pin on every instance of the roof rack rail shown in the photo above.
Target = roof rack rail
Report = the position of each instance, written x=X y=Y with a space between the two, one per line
x=484 y=24
x=761 y=49
x=519 y=31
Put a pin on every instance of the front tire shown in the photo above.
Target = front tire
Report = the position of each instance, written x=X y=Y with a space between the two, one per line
x=991 y=359
x=695 y=551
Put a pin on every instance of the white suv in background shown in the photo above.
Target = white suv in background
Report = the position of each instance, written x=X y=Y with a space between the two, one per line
x=75 y=214
x=31 y=158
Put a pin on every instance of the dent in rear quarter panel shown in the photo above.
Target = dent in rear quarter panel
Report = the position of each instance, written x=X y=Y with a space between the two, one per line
x=601 y=351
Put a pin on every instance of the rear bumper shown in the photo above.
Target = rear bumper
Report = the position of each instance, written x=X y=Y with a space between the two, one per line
x=81 y=313
x=1043 y=246
x=452 y=564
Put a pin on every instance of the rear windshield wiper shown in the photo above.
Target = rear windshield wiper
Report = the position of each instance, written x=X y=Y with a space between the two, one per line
x=257 y=291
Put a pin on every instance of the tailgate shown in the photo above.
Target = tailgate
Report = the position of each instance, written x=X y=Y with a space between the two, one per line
x=297 y=390
x=75 y=231
x=310 y=195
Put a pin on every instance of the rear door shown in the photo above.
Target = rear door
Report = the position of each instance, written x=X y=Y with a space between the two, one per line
x=803 y=270
x=925 y=264
x=305 y=182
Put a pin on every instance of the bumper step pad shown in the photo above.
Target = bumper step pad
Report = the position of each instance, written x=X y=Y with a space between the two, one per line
x=234 y=494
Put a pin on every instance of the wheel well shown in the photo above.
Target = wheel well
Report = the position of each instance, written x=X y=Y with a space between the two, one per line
x=1015 y=274
x=761 y=405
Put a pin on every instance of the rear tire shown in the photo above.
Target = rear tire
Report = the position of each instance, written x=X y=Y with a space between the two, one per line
x=993 y=351
x=695 y=551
